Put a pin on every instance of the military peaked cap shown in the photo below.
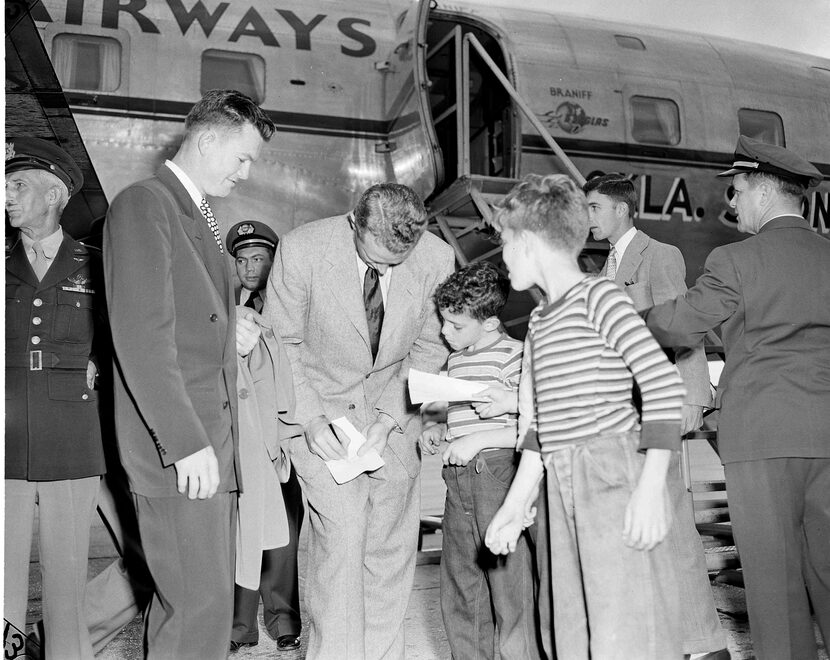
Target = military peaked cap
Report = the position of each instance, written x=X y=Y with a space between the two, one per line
x=251 y=233
x=36 y=154
x=754 y=156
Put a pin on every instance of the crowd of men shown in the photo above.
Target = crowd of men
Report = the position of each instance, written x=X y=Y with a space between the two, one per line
x=222 y=403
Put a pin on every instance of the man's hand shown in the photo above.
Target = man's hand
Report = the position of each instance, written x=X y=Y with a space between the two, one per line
x=463 y=450
x=501 y=400
x=198 y=474
x=432 y=437
x=325 y=440
x=377 y=434
x=91 y=373
x=247 y=329
x=504 y=530
x=692 y=418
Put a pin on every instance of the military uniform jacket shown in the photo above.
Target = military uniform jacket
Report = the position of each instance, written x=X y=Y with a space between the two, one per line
x=52 y=427
x=173 y=323
x=770 y=296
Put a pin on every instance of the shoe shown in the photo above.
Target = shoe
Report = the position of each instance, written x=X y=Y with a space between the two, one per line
x=235 y=646
x=288 y=642
x=723 y=654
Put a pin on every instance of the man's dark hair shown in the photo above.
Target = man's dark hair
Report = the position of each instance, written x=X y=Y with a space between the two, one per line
x=393 y=214
x=478 y=290
x=229 y=109
x=616 y=186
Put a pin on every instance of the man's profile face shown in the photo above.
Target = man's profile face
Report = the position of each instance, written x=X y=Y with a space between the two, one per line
x=27 y=201
x=373 y=253
x=606 y=216
x=228 y=156
x=745 y=204
x=253 y=265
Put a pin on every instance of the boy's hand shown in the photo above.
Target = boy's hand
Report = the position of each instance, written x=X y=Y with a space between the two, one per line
x=504 y=530
x=501 y=400
x=462 y=451
x=647 y=517
x=431 y=438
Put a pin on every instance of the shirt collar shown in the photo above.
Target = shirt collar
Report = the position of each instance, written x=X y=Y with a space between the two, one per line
x=51 y=244
x=186 y=181
x=623 y=243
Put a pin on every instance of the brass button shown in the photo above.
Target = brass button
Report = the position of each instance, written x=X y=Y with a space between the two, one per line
x=214 y=318
x=36 y=320
x=77 y=303
x=85 y=397
x=35 y=340
x=37 y=302
x=243 y=394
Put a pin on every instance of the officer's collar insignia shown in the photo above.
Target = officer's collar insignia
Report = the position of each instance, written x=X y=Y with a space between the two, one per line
x=10 y=150
x=247 y=228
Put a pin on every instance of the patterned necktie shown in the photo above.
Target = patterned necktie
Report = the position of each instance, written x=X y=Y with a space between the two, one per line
x=252 y=301
x=204 y=207
x=41 y=262
x=373 y=302
x=611 y=264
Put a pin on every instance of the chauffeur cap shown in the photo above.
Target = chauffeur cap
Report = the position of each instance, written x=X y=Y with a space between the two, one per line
x=754 y=156
x=28 y=153
x=251 y=233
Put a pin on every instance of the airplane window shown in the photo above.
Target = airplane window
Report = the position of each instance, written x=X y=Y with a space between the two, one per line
x=761 y=125
x=655 y=120
x=87 y=62
x=244 y=72
x=632 y=43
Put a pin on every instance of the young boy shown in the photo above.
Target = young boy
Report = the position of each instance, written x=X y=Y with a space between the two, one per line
x=613 y=582
x=479 y=464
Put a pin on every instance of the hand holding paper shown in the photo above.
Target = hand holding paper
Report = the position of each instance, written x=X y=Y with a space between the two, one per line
x=346 y=469
x=424 y=388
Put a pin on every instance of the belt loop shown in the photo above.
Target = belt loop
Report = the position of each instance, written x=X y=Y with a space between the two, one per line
x=35 y=360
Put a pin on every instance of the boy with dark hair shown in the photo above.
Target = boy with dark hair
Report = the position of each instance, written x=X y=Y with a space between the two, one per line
x=479 y=464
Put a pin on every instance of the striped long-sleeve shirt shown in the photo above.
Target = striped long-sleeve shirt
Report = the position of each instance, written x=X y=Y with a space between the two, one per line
x=585 y=347
x=497 y=364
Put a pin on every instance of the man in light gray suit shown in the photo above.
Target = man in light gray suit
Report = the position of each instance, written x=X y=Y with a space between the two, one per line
x=651 y=272
x=351 y=297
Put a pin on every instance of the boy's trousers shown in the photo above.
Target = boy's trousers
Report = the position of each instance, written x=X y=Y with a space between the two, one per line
x=609 y=601
x=475 y=584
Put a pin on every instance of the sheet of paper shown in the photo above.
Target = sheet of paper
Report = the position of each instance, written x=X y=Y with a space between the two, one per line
x=346 y=469
x=425 y=388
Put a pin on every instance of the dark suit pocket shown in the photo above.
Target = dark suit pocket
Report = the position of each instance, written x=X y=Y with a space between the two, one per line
x=73 y=317
x=70 y=386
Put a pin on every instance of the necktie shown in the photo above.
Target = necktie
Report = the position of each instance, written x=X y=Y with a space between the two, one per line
x=41 y=263
x=373 y=302
x=611 y=264
x=252 y=301
x=204 y=207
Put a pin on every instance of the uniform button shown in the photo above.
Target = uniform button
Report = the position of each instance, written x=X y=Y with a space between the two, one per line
x=214 y=318
x=351 y=406
x=77 y=303
x=85 y=397
x=243 y=394
x=36 y=320
x=35 y=340
x=37 y=302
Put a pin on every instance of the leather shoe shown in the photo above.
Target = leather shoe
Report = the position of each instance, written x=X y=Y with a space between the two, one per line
x=723 y=654
x=288 y=642
x=235 y=646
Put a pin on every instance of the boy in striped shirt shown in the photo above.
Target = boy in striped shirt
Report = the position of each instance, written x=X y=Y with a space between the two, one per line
x=479 y=463
x=613 y=582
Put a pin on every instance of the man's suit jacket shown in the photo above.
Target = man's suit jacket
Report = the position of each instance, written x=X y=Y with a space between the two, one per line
x=314 y=298
x=651 y=272
x=173 y=322
x=770 y=295
x=52 y=328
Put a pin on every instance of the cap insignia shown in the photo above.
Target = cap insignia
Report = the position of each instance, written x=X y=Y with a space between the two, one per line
x=247 y=228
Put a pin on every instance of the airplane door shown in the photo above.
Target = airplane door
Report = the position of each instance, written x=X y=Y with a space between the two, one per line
x=411 y=146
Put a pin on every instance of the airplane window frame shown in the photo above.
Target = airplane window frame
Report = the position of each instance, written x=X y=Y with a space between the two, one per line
x=629 y=42
x=256 y=71
x=755 y=114
x=70 y=70
x=642 y=128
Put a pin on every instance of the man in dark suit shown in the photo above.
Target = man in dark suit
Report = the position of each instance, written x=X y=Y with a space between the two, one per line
x=176 y=334
x=770 y=296
x=54 y=454
x=252 y=245
x=651 y=272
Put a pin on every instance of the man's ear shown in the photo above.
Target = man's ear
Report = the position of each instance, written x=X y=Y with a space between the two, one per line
x=206 y=140
x=622 y=209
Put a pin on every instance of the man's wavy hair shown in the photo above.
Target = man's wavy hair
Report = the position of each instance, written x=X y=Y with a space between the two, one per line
x=229 y=109
x=478 y=290
x=616 y=186
x=552 y=206
x=393 y=214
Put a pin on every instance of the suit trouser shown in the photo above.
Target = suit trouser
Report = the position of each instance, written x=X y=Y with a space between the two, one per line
x=65 y=509
x=190 y=556
x=362 y=544
x=123 y=589
x=609 y=601
x=278 y=583
x=780 y=511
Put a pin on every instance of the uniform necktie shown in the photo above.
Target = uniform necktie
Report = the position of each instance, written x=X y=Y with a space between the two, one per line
x=204 y=207
x=373 y=302
x=253 y=299
x=41 y=263
x=611 y=264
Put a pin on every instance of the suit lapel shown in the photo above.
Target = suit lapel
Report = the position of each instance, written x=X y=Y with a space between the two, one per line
x=631 y=259
x=398 y=311
x=70 y=257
